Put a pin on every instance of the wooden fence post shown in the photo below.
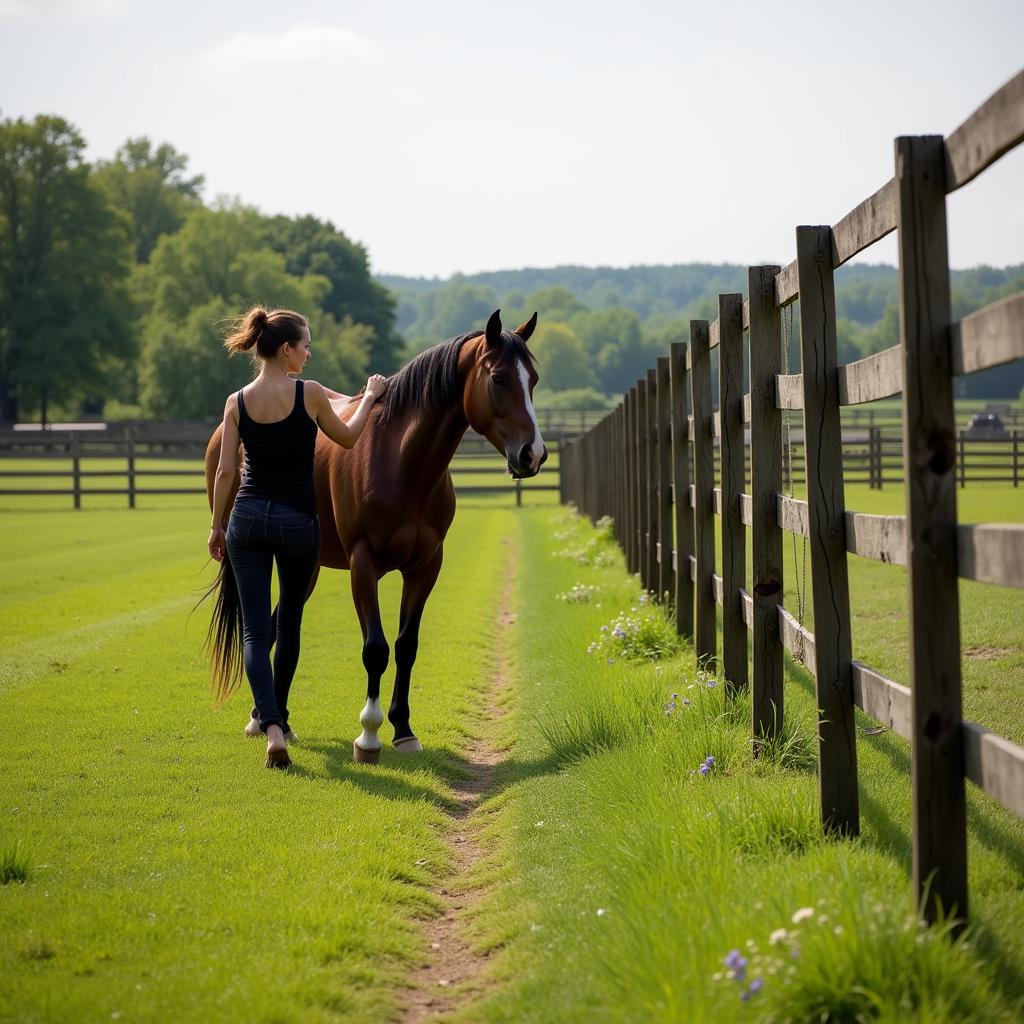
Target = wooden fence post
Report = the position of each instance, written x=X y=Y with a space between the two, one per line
x=765 y=485
x=830 y=590
x=643 y=483
x=76 y=470
x=629 y=450
x=681 y=490
x=666 y=574
x=651 y=491
x=734 y=540
x=929 y=446
x=634 y=494
x=875 y=458
x=131 y=467
x=704 y=482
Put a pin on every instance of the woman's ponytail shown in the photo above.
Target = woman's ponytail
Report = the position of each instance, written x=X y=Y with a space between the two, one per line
x=264 y=331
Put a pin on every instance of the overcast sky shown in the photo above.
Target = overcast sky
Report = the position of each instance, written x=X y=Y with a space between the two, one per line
x=467 y=135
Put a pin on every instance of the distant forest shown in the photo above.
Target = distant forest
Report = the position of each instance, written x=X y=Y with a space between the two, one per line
x=600 y=328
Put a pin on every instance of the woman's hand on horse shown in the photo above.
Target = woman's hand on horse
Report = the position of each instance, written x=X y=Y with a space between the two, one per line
x=375 y=385
x=217 y=543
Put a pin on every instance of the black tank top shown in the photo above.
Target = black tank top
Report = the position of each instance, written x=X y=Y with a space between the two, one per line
x=279 y=457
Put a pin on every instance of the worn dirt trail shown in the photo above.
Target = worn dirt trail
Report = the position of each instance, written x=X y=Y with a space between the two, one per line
x=445 y=982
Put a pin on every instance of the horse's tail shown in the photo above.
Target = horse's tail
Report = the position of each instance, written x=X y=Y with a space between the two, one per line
x=224 y=637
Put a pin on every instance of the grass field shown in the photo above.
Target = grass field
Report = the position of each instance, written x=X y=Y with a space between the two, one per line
x=638 y=876
x=167 y=874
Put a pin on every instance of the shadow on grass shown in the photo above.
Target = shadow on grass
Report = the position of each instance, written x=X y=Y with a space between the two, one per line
x=401 y=776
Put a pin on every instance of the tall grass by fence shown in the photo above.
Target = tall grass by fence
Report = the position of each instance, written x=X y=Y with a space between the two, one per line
x=650 y=464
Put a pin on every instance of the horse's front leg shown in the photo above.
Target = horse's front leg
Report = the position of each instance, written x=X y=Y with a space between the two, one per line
x=365 y=577
x=416 y=588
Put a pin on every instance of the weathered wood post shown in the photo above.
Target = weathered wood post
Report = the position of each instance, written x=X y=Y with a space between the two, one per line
x=651 y=493
x=130 y=436
x=637 y=481
x=666 y=573
x=76 y=470
x=681 y=489
x=703 y=482
x=875 y=458
x=734 y=541
x=643 y=483
x=629 y=506
x=765 y=486
x=929 y=446
x=830 y=590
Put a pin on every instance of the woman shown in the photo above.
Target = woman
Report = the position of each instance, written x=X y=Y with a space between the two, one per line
x=274 y=513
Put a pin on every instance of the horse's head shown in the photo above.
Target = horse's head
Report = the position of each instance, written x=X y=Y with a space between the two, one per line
x=498 y=396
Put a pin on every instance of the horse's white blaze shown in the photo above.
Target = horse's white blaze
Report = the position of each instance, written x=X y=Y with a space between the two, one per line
x=537 y=448
x=371 y=719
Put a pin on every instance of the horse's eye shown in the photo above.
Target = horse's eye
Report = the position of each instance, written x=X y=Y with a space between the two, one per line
x=498 y=379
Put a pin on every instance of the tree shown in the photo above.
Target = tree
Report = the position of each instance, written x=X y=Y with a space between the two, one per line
x=151 y=187
x=65 y=314
x=312 y=246
x=214 y=268
x=561 y=357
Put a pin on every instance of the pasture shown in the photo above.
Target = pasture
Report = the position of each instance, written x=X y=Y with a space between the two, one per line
x=167 y=873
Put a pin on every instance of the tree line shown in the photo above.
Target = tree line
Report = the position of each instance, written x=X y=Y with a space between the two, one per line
x=117 y=278
x=601 y=327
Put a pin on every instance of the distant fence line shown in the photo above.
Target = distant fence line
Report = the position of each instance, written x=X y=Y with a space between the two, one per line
x=188 y=442
x=650 y=464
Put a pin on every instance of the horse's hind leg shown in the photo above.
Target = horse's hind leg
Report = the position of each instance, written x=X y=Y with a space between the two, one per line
x=365 y=577
x=416 y=588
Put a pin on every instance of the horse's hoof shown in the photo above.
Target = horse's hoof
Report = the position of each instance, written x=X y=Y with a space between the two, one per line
x=408 y=745
x=361 y=756
x=252 y=728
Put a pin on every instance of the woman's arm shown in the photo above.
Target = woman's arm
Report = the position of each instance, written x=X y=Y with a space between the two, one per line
x=335 y=395
x=338 y=430
x=227 y=467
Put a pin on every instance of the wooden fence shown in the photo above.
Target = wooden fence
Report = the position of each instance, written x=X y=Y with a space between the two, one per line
x=76 y=448
x=658 y=446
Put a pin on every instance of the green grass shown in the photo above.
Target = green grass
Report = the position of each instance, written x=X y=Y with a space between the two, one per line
x=166 y=873
x=620 y=878
x=156 y=869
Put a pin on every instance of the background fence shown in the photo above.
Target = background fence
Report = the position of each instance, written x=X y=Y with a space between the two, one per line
x=651 y=464
x=148 y=459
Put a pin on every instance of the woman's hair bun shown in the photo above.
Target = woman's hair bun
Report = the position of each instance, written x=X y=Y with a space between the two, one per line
x=255 y=330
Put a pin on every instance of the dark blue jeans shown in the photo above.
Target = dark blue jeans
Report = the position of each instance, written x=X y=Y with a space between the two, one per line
x=260 y=532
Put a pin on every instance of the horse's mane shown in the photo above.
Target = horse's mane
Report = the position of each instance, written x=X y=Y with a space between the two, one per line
x=431 y=380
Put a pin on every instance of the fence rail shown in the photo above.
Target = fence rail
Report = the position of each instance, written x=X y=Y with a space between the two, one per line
x=79 y=447
x=652 y=464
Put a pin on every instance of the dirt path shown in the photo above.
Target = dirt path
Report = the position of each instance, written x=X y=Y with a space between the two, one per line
x=445 y=982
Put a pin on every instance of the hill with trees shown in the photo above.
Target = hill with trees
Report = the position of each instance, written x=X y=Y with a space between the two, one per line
x=600 y=328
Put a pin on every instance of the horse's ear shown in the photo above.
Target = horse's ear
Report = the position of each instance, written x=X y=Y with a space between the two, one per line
x=493 y=330
x=525 y=330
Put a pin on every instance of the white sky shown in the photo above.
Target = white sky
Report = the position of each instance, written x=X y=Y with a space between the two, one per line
x=467 y=135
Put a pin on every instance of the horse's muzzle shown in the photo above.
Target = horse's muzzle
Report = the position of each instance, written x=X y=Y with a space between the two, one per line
x=520 y=464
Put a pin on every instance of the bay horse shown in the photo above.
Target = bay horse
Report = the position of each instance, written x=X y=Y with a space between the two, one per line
x=387 y=503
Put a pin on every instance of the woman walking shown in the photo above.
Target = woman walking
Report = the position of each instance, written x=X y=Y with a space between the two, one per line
x=274 y=513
